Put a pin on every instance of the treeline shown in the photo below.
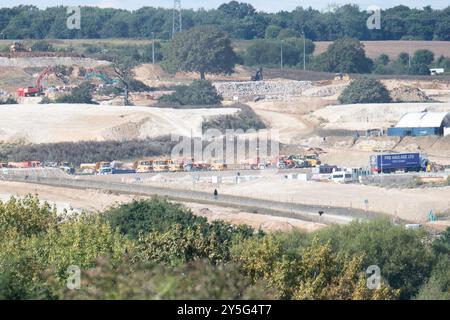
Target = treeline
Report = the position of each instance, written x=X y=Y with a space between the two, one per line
x=239 y=20
x=156 y=249
x=88 y=151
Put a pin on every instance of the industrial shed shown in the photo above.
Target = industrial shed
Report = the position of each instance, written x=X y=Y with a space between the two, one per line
x=422 y=124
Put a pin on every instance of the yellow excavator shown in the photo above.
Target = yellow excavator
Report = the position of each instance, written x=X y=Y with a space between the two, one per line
x=342 y=77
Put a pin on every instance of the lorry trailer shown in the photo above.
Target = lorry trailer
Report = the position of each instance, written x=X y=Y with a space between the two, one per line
x=407 y=162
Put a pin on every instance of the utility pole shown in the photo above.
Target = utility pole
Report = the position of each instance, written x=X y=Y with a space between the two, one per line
x=177 y=20
x=281 y=55
x=304 y=50
x=153 y=47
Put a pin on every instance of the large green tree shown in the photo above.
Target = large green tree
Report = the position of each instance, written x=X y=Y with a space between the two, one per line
x=345 y=55
x=201 y=49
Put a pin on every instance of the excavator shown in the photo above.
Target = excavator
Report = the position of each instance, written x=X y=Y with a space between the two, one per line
x=18 y=47
x=37 y=90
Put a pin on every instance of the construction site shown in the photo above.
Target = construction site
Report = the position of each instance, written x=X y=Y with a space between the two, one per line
x=231 y=151
x=323 y=165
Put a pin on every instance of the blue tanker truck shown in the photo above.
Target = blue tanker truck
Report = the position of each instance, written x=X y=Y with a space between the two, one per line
x=407 y=162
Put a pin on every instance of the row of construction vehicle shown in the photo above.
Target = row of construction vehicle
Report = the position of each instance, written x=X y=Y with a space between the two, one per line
x=170 y=165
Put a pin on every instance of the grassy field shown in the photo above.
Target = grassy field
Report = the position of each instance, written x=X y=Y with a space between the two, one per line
x=373 y=48
x=394 y=48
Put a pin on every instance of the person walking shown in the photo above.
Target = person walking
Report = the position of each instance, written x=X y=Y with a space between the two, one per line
x=216 y=194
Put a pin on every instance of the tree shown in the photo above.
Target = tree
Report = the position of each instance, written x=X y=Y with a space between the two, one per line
x=314 y=272
x=197 y=280
x=200 y=49
x=345 y=55
x=237 y=9
x=421 y=61
x=404 y=260
x=268 y=53
x=365 y=91
x=272 y=31
x=287 y=34
x=123 y=69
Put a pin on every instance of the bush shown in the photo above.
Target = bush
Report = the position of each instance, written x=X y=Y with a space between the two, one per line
x=88 y=151
x=245 y=119
x=405 y=261
x=200 y=92
x=365 y=91
x=146 y=216
x=9 y=100
x=138 y=86
x=42 y=46
x=81 y=94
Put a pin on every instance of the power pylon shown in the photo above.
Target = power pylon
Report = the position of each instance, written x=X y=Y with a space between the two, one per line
x=177 y=21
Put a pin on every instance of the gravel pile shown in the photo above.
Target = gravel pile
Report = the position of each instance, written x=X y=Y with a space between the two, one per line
x=409 y=94
x=262 y=88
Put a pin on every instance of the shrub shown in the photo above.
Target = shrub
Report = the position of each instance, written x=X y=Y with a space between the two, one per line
x=81 y=94
x=42 y=46
x=245 y=119
x=9 y=100
x=138 y=86
x=88 y=151
x=365 y=91
x=146 y=216
x=200 y=92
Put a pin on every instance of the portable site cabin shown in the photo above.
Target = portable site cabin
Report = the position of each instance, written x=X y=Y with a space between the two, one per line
x=422 y=124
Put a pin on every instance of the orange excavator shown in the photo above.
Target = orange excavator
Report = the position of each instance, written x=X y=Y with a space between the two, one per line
x=38 y=89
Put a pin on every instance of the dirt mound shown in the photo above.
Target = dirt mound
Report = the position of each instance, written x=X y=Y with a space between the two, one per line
x=325 y=91
x=376 y=143
x=370 y=116
x=41 y=123
x=43 y=62
x=409 y=94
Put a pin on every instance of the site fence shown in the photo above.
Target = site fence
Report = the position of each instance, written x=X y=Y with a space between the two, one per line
x=329 y=214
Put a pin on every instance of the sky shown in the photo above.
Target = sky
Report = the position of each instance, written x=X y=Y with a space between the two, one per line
x=260 y=5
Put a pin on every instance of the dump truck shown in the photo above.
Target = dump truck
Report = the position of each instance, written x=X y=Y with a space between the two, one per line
x=88 y=168
x=67 y=168
x=406 y=162
x=103 y=167
x=144 y=166
x=312 y=160
x=175 y=165
x=118 y=167
x=161 y=165
x=218 y=165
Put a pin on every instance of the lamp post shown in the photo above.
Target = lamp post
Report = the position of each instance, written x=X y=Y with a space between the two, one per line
x=153 y=47
x=304 y=49
x=281 y=55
